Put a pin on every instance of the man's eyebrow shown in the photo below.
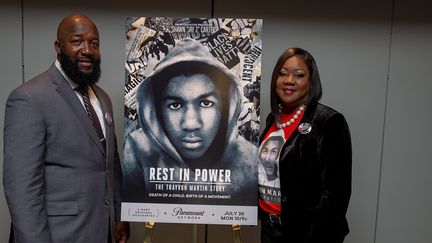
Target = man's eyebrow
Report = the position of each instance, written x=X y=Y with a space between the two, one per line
x=80 y=35
x=77 y=35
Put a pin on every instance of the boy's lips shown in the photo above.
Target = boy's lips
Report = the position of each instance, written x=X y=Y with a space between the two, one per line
x=192 y=145
x=192 y=142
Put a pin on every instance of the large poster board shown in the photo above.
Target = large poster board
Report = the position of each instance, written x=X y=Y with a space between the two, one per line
x=191 y=120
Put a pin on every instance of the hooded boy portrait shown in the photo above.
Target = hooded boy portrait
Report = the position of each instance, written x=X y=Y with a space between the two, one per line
x=187 y=139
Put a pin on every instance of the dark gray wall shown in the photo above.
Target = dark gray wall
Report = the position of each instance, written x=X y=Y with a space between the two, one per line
x=405 y=198
x=10 y=73
x=373 y=61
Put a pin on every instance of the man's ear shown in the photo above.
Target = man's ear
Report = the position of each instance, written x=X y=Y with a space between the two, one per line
x=57 y=46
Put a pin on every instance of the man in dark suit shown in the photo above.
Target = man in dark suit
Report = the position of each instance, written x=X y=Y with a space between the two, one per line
x=61 y=167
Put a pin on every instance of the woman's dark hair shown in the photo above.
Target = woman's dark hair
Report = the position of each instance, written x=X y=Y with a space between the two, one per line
x=223 y=84
x=315 y=91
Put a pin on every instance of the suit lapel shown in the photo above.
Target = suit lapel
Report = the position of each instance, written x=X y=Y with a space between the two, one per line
x=66 y=92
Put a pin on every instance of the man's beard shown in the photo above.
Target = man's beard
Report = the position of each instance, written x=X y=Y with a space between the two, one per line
x=71 y=69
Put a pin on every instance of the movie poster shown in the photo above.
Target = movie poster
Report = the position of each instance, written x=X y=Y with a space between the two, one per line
x=192 y=105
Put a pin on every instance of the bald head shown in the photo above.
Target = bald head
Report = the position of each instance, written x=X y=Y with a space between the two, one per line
x=69 y=23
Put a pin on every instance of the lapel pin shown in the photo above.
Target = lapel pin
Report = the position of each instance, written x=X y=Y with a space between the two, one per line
x=108 y=119
x=304 y=128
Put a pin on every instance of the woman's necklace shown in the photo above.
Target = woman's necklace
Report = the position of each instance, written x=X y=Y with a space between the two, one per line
x=292 y=120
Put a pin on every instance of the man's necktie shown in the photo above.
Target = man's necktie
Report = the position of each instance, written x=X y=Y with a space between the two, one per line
x=83 y=90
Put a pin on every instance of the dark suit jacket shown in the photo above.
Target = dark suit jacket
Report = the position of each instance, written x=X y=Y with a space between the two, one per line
x=315 y=174
x=60 y=185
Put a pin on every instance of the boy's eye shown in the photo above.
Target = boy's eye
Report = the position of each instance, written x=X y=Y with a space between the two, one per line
x=206 y=103
x=174 y=106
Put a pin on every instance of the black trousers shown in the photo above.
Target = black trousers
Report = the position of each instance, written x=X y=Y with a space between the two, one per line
x=271 y=229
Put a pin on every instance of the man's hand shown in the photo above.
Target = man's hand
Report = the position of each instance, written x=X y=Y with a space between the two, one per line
x=122 y=232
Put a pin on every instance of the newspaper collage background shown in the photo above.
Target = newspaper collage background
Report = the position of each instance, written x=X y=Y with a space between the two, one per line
x=235 y=42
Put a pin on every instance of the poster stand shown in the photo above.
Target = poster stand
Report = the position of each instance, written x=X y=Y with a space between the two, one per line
x=149 y=231
x=151 y=225
x=236 y=232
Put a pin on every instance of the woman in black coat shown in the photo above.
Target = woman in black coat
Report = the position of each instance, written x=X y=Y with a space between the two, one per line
x=312 y=169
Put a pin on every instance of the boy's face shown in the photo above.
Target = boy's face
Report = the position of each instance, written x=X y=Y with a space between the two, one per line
x=191 y=113
x=269 y=153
